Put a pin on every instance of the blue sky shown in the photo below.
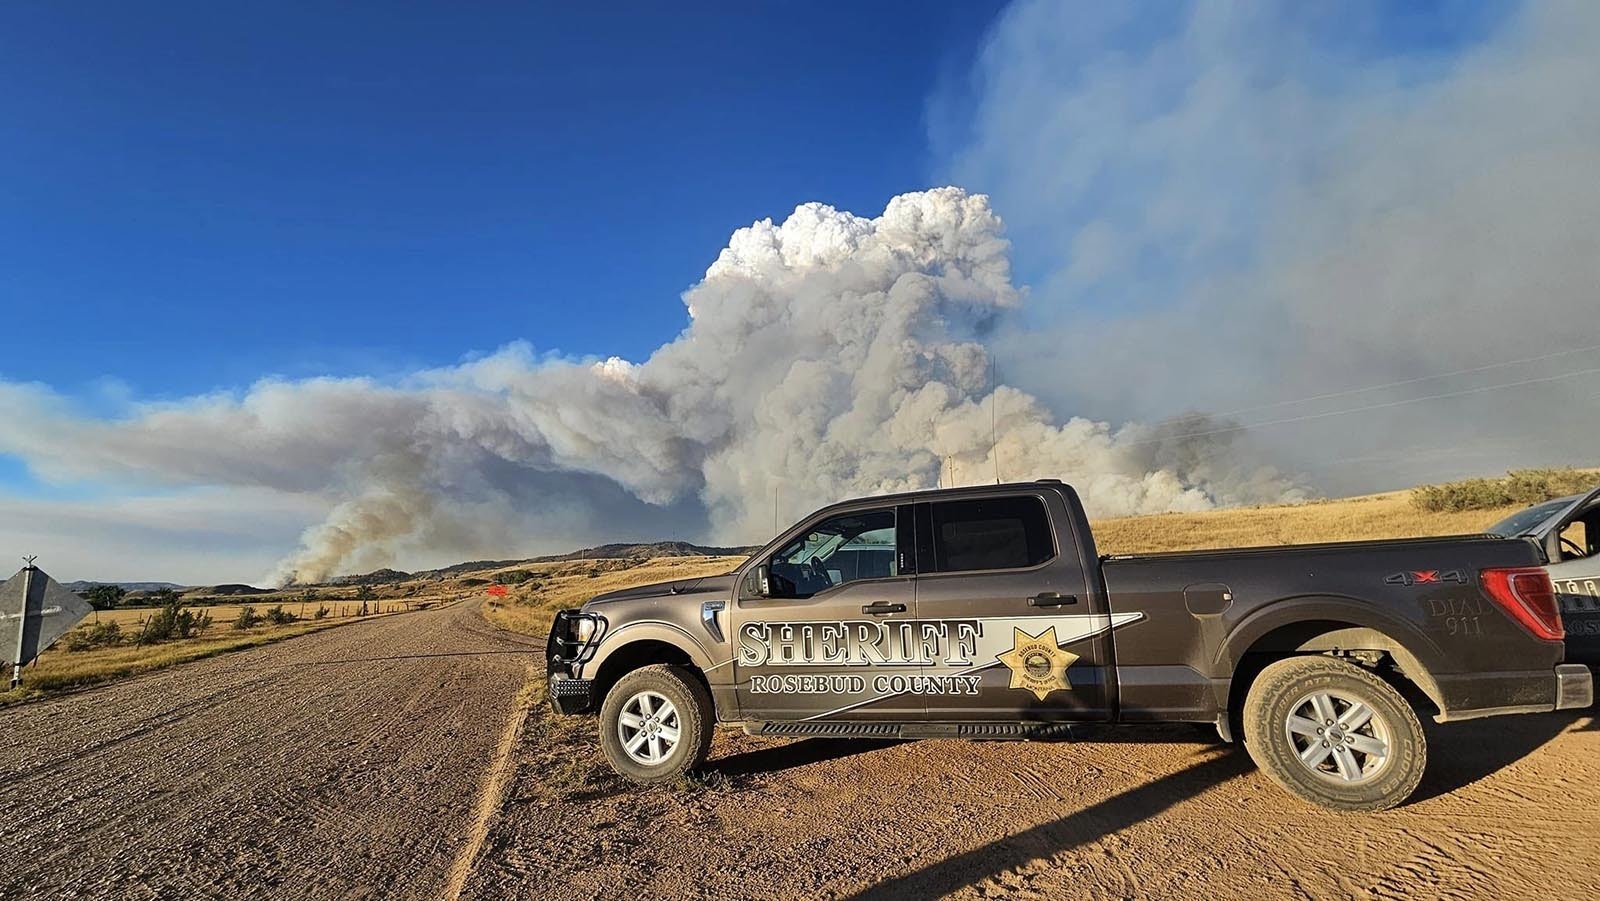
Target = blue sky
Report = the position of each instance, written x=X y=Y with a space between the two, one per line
x=202 y=196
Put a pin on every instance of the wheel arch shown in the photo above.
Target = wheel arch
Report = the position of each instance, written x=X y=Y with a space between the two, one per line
x=1325 y=625
x=646 y=644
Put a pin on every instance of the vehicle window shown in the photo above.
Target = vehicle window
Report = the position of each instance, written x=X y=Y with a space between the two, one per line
x=841 y=549
x=1527 y=520
x=996 y=533
x=1579 y=538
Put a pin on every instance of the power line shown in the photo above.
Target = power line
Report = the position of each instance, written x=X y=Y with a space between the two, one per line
x=1403 y=382
x=1364 y=408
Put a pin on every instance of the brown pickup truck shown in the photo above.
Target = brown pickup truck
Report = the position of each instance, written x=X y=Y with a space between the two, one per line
x=986 y=613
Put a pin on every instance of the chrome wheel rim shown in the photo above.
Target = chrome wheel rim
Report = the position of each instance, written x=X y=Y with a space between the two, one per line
x=1338 y=737
x=649 y=728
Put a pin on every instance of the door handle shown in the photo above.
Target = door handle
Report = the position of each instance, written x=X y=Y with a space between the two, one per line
x=883 y=608
x=1052 y=599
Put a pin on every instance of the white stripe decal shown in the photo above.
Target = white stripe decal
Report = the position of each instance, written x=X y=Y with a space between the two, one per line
x=998 y=636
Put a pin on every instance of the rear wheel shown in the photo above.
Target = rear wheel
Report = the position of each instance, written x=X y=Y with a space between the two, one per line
x=1334 y=734
x=656 y=724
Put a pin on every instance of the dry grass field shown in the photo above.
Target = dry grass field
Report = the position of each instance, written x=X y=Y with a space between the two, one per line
x=1390 y=515
x=529 y=605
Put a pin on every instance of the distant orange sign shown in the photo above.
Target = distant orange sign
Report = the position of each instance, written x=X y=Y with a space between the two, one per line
x=498 y=591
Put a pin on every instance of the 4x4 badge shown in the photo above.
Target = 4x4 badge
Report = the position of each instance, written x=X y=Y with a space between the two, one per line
x=1426 y=577
x=1038 y=663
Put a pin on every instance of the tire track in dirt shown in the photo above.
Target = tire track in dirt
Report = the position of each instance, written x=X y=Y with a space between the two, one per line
x=260 y=775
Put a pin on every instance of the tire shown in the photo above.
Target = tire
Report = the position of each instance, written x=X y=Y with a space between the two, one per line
x=643 y=712
x=1374 y=765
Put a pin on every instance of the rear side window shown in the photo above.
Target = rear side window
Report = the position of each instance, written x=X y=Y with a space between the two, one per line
x=995 y=533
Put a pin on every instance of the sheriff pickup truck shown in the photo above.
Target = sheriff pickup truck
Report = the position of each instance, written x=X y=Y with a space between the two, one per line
x=986 y=613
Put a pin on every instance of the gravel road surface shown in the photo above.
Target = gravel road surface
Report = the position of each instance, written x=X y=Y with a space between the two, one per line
x=347 y=763
x=1509 y=808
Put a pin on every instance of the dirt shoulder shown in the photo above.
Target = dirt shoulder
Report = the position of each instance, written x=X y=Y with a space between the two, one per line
x=1506 y=810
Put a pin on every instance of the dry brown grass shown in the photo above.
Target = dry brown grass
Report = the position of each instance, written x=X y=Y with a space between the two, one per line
x=529 y=606
x=222 y=615
x=58 y=669
x=1389 y=515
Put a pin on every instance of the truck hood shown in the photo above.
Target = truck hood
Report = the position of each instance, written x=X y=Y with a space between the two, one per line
x=702 y=585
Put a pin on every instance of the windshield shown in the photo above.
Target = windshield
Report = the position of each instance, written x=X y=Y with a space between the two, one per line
x=1530 y=519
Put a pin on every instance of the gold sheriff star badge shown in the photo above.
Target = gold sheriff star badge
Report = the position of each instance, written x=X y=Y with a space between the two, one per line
x=1038 y=663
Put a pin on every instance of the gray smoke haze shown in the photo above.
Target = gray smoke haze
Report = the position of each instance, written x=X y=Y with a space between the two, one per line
x=1244 y=208
x=827 y=356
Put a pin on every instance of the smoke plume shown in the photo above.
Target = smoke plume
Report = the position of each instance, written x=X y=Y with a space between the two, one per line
x=825 y=357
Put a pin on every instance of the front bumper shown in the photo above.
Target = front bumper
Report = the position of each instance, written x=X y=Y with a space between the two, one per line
x=571 y=695
x=1574 y=686
x=565 y=655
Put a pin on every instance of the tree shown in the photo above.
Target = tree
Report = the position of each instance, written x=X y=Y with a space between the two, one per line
x=105 y=597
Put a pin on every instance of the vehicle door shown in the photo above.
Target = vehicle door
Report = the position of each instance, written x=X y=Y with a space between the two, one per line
x=1572 y=544
x=833 y=623
x=1002 y=577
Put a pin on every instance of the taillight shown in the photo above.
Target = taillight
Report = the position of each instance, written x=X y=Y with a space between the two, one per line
x=1529 y=597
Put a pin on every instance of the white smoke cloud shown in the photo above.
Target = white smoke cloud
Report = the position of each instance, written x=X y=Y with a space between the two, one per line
x=828 y=356
x=1253 y=203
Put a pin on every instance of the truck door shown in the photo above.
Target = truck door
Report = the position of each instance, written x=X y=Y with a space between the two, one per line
x=1003 y=577
x=835 y=627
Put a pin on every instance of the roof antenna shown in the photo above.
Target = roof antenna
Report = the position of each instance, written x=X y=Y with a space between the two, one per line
x=994 y=435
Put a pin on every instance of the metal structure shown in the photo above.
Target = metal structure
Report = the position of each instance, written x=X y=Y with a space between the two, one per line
x=35 y=610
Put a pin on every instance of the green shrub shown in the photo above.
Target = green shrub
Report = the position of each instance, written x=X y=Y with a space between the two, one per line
x=279 y=616
x=322 y=612
x=96 y=635
x=173 y=621
x=514 y=577
x=248 y=618
x=1520 y=487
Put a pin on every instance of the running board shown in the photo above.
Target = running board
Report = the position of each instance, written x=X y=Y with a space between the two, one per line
x=976 y=731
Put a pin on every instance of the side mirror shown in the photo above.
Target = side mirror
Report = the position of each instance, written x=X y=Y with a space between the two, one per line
x=763 y=581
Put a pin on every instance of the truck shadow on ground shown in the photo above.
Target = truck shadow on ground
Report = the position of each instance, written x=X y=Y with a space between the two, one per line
x=1078 y=828
x=795 y=754
x=1464 y=753
x=1460 y=754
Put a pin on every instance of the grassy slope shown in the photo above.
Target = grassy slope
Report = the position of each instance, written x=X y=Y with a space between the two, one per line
x=1353 y=519
x=528 y=607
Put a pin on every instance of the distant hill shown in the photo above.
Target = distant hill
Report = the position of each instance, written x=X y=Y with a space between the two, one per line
x=376 y=577
x=232 y=589
x=654 y=549
x=603 y=552
x=84 y=585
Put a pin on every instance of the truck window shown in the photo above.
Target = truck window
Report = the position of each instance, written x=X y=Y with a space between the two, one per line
x=993 y=533
x=844 y=548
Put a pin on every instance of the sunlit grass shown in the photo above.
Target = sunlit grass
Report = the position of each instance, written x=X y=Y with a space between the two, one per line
x=528 y=607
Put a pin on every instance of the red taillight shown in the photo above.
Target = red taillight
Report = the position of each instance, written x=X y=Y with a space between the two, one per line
x=1529 y=597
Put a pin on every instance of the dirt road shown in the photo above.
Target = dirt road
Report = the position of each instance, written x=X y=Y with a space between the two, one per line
x=1509 y=808
x=352 y=763
x=342 y=764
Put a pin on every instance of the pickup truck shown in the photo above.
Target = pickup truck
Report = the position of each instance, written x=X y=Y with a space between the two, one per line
x=986 y=613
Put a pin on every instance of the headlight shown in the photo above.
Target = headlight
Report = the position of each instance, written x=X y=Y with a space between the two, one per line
x=585 y=629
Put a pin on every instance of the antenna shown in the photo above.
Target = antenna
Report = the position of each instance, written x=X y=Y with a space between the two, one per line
x=994 y=435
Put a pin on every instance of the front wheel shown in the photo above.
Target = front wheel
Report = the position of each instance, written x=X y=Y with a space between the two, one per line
x=1334 y=734
x=656 y=724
